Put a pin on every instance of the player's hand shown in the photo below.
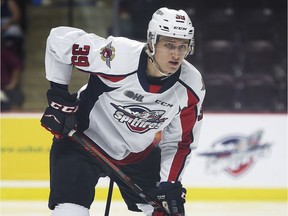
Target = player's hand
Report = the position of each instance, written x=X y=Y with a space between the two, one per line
x=172 y=197
x=59 y=117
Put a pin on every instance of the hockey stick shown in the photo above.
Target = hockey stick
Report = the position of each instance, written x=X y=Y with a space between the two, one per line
x=109 y=198
x=85 y=141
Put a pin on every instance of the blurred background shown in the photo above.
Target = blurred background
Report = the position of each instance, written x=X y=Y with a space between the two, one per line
x=240 y=47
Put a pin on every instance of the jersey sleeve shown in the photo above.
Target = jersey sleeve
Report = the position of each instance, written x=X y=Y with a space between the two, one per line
x=181 y=136
x=58 y=65
x=68 y=47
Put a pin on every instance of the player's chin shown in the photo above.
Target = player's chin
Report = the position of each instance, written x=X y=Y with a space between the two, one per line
x=172 y=70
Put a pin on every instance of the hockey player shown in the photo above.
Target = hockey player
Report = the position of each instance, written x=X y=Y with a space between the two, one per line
x=134 y=91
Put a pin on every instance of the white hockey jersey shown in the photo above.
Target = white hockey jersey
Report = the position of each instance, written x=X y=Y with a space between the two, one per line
x=121 y=109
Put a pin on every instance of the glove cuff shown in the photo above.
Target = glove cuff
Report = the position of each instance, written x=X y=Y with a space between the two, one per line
x=62 y=100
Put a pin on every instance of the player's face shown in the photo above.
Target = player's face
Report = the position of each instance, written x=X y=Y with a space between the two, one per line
x=169 y=53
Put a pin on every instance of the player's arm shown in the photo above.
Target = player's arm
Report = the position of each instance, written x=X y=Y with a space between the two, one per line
x=60 y=115
x=178 y=140
x=68 y=47
x=181 y=136
x=59 y=52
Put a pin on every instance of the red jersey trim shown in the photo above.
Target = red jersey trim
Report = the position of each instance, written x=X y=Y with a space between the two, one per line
x=188 y=118
x=135 y=157
x=112 y=78
x=154 y=88
x=130 y=159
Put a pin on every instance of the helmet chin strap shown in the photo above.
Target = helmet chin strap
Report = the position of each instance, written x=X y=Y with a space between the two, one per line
x=163 y=74
x=151 y=58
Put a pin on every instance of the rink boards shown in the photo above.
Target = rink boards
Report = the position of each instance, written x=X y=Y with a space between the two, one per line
x=239 y=157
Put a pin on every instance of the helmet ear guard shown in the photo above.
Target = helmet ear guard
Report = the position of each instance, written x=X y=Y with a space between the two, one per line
x=191 y=47
x=170 y=23
x=151 y=41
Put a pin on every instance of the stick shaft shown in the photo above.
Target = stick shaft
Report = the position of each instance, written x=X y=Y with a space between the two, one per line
x=109 y=198
x=85 y=141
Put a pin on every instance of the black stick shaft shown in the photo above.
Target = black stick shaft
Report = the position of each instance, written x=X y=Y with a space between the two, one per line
x=109 y=198
x=85 y=141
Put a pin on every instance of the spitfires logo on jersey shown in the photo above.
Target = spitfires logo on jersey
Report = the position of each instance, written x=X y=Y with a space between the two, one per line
x=108 y=54
x=139 y=119
x=235 y=154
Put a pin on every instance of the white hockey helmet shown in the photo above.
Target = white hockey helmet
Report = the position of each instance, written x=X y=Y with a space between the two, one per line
x=170 y=23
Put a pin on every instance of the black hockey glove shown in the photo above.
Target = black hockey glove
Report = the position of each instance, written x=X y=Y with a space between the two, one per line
x=172 y=197
x=59 y=117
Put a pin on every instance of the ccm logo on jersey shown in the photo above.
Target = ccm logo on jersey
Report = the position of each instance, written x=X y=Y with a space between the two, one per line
x=163 y=103
x=66 y=109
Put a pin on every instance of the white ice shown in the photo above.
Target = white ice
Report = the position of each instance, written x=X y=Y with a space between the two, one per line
x=118 y=208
